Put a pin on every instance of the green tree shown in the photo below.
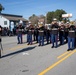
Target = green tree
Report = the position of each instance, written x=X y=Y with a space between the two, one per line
x=55 y=14
x=50 y=16
x=41 y=16
x=58 y=14
x=1 y=8
x=33 y=19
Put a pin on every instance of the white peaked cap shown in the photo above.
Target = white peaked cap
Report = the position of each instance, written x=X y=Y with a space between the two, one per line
x=67 y=22
x=20 y=21
x=29 y=22
x=41 y=22
x=54 y=19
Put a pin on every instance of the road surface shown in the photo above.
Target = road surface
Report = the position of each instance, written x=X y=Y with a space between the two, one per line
x=23 y=59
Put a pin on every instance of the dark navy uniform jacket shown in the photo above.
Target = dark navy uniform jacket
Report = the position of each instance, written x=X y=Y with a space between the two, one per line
x=54 y=29
x=30 y=31
x=20 y=30
x=41 y=31
x=47 y=32
x=72 y=31
x=62 y=31
x=36 y=31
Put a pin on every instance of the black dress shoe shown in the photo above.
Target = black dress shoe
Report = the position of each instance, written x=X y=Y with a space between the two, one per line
x=52 y=47
x=60 y=44
x=39 y=45
x=28 y=44
x=47 y=43
x=18 y=43
x=68 y=49
x=0 y=56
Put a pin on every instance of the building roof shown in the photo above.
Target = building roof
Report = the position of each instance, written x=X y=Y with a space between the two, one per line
x=14 y=17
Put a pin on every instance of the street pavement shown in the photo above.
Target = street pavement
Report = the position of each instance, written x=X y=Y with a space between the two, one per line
x=23 y=59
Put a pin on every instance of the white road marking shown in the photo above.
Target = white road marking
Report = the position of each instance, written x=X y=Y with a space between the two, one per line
x=25 y=53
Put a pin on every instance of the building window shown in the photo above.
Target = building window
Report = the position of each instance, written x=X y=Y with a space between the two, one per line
x=5 y=22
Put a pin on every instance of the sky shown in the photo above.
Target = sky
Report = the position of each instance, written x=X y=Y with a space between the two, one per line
x=38 y=7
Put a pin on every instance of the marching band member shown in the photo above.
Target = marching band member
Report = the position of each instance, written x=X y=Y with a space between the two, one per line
x=19 y=34
x=47 y=33
x=36 y=33
x=71 y=37
x=54 y=33
x=66 y=31
x=30 y=31
x=62 y=33
x=41 y=35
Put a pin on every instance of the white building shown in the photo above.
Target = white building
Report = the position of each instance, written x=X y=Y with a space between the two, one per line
x=4 y=22
x=7 y=19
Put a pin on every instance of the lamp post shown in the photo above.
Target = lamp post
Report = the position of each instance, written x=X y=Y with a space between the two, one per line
x=46 y=18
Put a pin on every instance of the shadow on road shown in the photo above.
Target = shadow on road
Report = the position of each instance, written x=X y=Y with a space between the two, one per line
x=17 y=52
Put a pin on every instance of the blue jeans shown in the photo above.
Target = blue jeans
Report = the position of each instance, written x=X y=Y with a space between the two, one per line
x=41 y=40
x=29 y=38
x=50 y=37
x=19 y=38
x=71 y=40
x=54 y=38
x=62 y=40
x=47 y=38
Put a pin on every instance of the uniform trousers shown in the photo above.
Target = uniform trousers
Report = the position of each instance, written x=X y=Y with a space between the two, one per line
x=54 y=39
x=71 y=43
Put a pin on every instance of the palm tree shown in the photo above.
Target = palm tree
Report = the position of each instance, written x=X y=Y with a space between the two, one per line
x=1 y=8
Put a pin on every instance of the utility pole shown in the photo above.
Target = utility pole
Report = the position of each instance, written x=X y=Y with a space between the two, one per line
x=46 y=18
